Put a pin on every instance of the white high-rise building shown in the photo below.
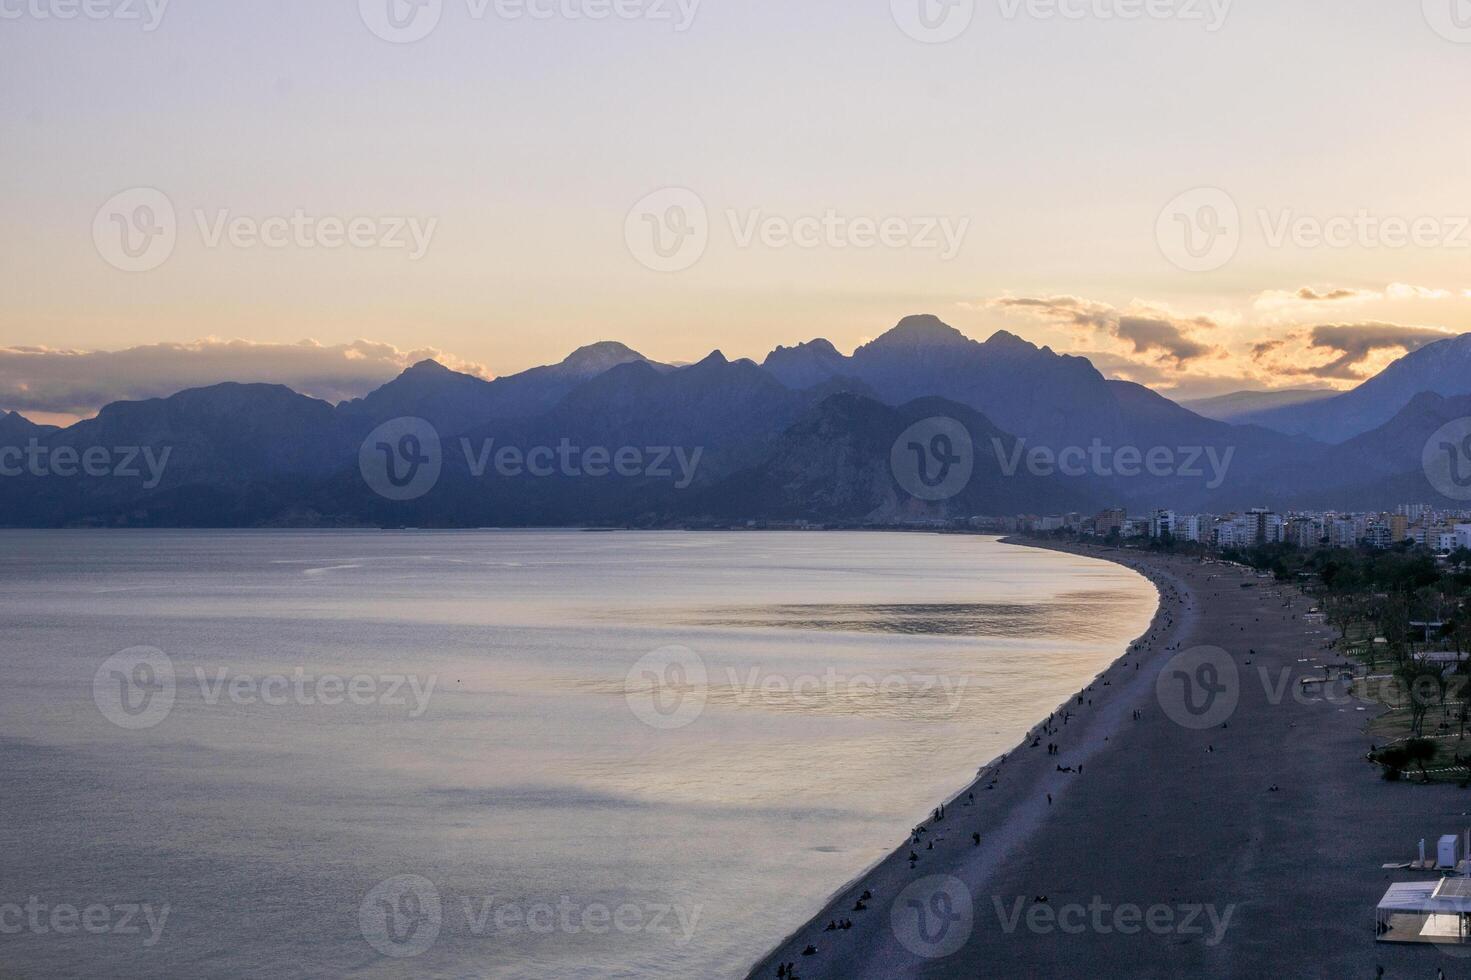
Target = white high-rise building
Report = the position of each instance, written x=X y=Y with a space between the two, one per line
x=1162 y=522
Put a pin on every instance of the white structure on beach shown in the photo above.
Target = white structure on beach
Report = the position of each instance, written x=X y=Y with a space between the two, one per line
x=1425 y=912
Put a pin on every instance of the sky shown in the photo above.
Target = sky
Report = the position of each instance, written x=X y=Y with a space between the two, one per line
x=1201 y=195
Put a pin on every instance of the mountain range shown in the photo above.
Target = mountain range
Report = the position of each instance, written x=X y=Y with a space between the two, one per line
x=610 y=437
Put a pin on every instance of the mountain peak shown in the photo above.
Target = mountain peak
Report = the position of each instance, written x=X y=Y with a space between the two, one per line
x=428 y=367
x=597 y=358
x=922 y=330
x=1005 y=338
x=807 y=364
x=715 y=359
x=821 y=347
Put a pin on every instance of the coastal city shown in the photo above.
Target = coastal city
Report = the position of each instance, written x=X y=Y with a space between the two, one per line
x=1419 y=526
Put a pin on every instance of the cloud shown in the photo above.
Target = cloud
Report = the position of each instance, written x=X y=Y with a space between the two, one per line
x=1327 y=296
x=1355 y=344
x=1306 y=302
x=1155 y=335
x=1172 y=384
x=1064 y=309
x=1146 y=329
x=1400 y=290
x=77 y=383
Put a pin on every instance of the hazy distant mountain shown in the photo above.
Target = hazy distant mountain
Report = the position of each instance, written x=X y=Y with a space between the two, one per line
x=454 y=402
x=1443 y=367
x=732 y=409
x=834 y=464
x=806 y=364
x=1243 y=406
x=810 y=433
x=220 y=455
x=16 y=429
x=1373 y=470
x=1022 y=388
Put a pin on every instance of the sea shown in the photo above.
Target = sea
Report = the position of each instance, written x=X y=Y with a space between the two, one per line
x=558 y=754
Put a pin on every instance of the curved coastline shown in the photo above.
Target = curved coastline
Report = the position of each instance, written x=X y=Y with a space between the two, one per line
x=1254 y=834
x=840 y=904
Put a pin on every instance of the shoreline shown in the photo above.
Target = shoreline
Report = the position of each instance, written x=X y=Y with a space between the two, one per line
x=1256 y=841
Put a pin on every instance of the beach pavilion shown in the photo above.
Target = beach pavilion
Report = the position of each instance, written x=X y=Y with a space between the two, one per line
x=1425 y=912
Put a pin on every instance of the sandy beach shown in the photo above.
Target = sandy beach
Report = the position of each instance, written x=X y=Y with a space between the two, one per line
x=1200 y=816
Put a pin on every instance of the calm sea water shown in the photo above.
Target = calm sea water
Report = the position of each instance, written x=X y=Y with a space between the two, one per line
x=498 y=754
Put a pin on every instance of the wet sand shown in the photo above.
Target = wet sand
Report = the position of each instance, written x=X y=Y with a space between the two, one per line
x=1171 y=854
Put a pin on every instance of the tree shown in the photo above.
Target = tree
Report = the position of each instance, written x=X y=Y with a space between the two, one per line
x=1414 y=751
x=1425 y=684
